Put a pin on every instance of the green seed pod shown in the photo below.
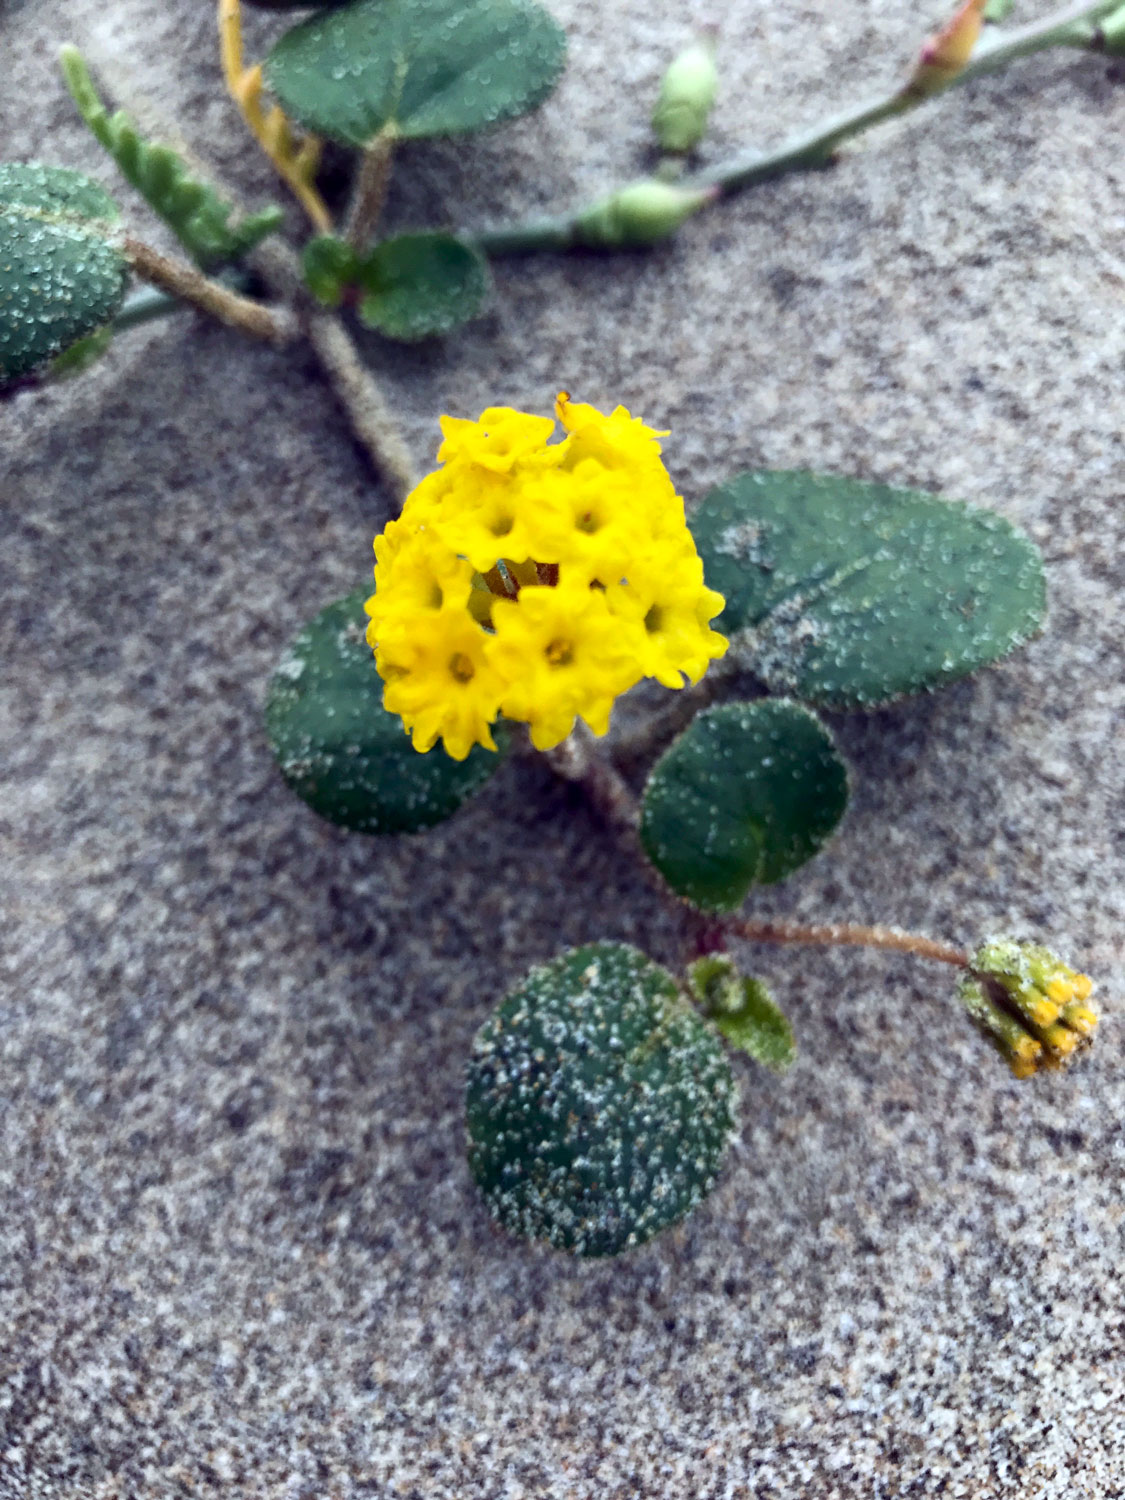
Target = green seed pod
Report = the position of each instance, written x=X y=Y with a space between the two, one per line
x=641 y=214
x=600 y=1104
x=686 y=96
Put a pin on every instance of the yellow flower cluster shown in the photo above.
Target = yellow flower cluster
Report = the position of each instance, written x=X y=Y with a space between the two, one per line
x=1031 y=1005
x=536 y=579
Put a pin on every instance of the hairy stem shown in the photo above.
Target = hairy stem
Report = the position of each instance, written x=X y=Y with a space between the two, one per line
x=579 y=759
x=1074 y=25
x=842 y=934
x=362 y=399
x=190 y=285
x=370 y=192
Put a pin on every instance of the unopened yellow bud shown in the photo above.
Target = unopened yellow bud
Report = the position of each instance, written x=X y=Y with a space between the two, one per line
x=641 y=214
x=686 y=96
x=947 y=52
x=1029 y=1004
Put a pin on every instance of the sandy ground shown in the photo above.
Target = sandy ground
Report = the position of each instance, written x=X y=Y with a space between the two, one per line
x=239 y=1250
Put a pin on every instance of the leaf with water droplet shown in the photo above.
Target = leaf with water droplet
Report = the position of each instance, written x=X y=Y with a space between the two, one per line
x=341 y=751
x=416 y=68
x=852 y=594
x=61 y=274
x=746 y=795
x=600 y=1104
x=418 y=286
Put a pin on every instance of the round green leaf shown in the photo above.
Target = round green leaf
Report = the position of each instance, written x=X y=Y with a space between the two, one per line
x=60 y=277
x=416 y=67
x=419 y=286
x=600 y=1104
x=748 y=792
x=340 y=750
x=847 y=593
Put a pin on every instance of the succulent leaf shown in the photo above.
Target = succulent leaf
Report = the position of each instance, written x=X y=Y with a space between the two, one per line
x=61 y=275
x=746 y=795
x=340 y=750
x=600 y=1104
x=852 y=594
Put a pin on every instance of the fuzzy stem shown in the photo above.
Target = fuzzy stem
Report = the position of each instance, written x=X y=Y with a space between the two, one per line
x=185 y=282
x=842 y=934
x=359 y=394
x=578 y=759
x=1075 y=25
x=370 y=193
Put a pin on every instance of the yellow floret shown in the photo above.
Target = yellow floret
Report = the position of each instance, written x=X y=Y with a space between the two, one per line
x=564 y=655
x=538 y=579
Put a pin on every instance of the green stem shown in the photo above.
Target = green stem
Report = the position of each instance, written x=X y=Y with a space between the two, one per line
x=146 y=306
x=1075 y=25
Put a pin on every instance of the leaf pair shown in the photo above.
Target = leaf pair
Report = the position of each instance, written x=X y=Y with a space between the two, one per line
x=414 y=286
x=838 y=593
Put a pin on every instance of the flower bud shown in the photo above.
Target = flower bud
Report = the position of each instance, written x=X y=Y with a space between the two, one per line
x=686 y=96
x=640 y=214
x=1028 y=1003
x=947 y=52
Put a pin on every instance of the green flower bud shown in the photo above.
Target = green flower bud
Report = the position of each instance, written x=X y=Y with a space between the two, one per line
x=686 y=96
x=640 y=214
x=1028 y=1003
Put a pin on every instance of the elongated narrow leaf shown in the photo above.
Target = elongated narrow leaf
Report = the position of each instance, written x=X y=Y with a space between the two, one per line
x=746 y=795
x=416 y=67
x=847 y=593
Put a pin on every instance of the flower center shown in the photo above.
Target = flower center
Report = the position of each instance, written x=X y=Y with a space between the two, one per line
x=560 y=653
x=461 y=668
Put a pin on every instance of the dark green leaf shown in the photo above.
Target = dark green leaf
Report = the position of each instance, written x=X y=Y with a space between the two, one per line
x=418 y=286
x=600 y=1105
x=340 y=750
x=743 y=1010
x=748 y=793
x=55 y=191
x=416 y=67
x=847 y=593
x=330 y=266
x=61 y=277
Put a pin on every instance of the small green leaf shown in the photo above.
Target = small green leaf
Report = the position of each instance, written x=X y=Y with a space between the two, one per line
x=340 y=750
x=998 y=10
x=600 y=1105
x=743 y=1010
x=748 y=793
x=330 y=266
x=416 y=67
x=82 y=356
x=852 y=594
x=419 y=286
x=61 y=277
